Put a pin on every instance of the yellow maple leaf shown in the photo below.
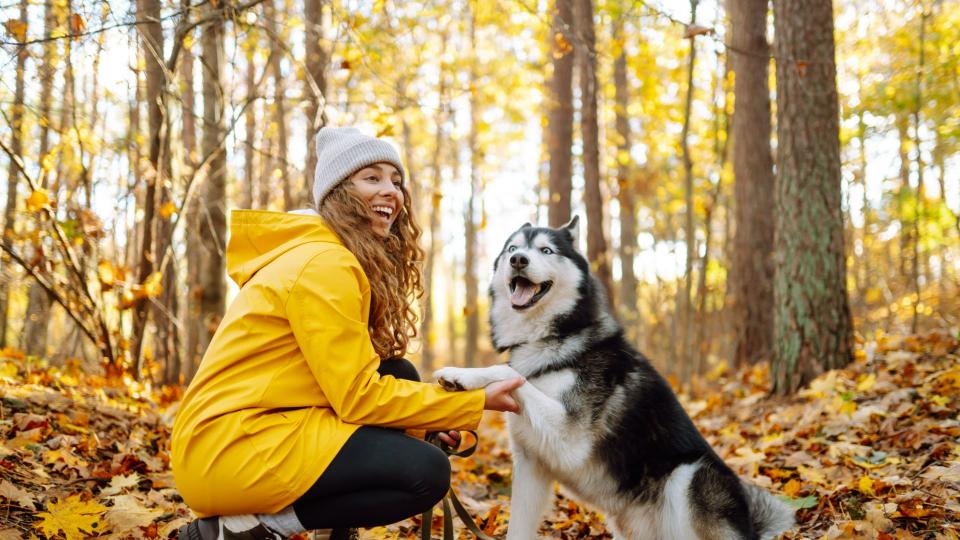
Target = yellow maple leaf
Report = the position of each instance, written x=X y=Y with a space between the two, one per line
x=37 y=200
x=53 y=456
x=72 y=516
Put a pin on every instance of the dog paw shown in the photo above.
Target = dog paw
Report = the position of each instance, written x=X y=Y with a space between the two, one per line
x=457 y=379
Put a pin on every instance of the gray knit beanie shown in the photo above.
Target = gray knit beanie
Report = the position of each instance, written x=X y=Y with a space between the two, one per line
x=344 y=151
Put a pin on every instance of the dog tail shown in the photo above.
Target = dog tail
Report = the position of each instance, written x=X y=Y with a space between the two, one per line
x=770 y=515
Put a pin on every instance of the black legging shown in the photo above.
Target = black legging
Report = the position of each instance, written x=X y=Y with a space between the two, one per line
x=380 y=476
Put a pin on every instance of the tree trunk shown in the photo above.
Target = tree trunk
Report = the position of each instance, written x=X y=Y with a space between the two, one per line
x=559 y=98
x=686 y=303
x=316 y=61
x=752 y=275
x=427 y=334
x=135 y=234
x=280 y=108
x=860 y=268
x=918 y=158
x=250 y=130
x=906 y=230
x=590 y=132
x=38 y=301
x=812 y=328
x=193 y=322
x=213 y=199
x=152 y=43
x=13 y=178
x=626 y=191
x=470 y=255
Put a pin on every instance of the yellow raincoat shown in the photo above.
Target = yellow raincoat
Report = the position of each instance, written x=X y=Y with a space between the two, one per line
x=291 y=373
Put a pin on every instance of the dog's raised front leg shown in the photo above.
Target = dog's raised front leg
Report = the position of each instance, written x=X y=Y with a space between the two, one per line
x=530 y=494
x=548 y=421
x=454 y=378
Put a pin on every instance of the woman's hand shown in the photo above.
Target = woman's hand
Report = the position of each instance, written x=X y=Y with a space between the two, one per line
x=450 y=438
x=498 y=396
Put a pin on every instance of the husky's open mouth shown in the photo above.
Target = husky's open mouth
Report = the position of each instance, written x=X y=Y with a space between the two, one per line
x=525 y=293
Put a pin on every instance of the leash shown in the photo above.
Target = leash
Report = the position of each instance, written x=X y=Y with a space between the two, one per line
x=451 y=499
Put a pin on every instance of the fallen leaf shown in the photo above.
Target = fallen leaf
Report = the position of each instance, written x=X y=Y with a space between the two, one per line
x=71 y=516
x=14 y=493
x=128 y=513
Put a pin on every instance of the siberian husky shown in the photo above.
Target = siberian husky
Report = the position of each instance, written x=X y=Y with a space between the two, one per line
x=595 y=414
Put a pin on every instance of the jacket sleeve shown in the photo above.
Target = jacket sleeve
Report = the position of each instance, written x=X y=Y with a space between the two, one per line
x=325 y=310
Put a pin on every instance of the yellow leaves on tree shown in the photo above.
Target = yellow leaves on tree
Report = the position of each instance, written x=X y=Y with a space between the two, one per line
x=74 y=517
x=38 y=200
x=77 y=24
x=17 y=29
x=168 y=209
x=107 y=273
x=151 y=288
x=563 y=45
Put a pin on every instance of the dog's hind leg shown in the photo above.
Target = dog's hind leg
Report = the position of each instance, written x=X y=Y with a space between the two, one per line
x=530 y=494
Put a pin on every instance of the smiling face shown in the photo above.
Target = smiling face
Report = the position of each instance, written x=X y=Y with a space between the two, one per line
x=380 y=186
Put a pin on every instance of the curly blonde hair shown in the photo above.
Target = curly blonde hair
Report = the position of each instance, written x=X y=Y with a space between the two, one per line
x=392 y=264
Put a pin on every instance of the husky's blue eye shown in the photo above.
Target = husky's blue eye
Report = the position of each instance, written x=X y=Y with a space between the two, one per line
x=546 y=251
x=511 y=249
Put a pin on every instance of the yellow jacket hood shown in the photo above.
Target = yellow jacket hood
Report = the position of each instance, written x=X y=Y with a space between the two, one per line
x=259 y=237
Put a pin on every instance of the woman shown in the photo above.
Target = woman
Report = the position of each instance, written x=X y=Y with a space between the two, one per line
x=292 y=421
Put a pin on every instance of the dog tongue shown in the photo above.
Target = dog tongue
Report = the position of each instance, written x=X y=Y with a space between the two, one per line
x=522 y=294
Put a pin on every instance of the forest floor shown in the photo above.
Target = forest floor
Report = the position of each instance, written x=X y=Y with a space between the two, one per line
x=871 y=451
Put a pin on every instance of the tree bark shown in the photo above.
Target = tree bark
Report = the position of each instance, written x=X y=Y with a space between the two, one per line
x=212 y=225
x=13 y=178
x=316 y=61
x=918 y=159
x=626 y=191
x=559 y=98
x=470 y=256
x=812 y=328
x=280 y=108
x=193 y=322
x=250 y=130
x=686 y=303
x=152 y=42
x=752 y=275
x=597 y=252
x=38 y=301
x=427 y=334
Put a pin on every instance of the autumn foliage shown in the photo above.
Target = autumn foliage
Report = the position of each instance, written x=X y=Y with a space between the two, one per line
x=868 y=452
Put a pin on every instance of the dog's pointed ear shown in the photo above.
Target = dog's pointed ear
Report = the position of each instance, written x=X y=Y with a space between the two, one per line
x=526 y=225
x=573 y=229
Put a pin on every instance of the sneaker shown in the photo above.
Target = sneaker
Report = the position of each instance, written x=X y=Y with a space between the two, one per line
x=212 y=528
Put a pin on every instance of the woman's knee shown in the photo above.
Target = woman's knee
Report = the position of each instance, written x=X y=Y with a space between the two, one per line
x=401 y=368
x=431 y=471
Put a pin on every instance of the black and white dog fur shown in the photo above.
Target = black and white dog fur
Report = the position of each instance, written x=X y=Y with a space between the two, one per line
x=595 y=414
